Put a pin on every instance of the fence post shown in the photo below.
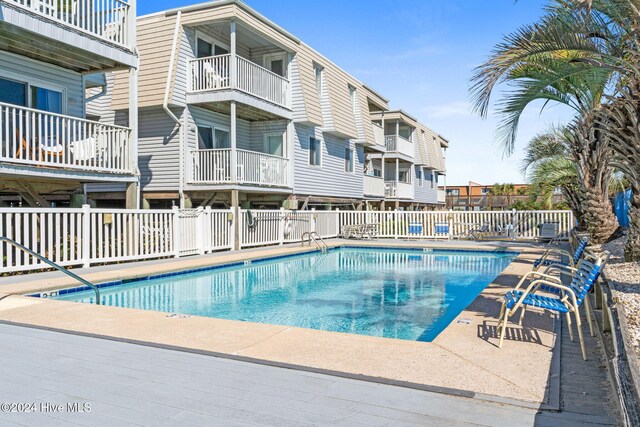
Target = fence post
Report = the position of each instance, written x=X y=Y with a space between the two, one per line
x=176 y=231
x=396 y=224
x=338 y=223
x=238 y=226
x=86 y=236
x=202 y=230
x=281 y=221
x=314 y=221
x=450 y=221
x=514 y=214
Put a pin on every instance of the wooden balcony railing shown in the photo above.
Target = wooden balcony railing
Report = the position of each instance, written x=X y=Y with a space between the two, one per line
x=106 y=19
x=39 y=138
x=214 y=73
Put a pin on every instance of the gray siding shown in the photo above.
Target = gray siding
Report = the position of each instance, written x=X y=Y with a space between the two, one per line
x=329 y=179
x=259 y=129
x=297 y=97
x=203 y=117
x=158 y=150
x=425 y=194
x=24 y=69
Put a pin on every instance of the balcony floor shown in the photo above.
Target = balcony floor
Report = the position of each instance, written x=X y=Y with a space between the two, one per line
x=248 y=107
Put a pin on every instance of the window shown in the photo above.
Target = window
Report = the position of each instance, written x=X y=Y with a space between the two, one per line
x=210 y=137
x=206 y=46
x=315 y=152
x=276 y=63
x=204 y=49
x=434 y=181
x=205 y=138
x=419 y=176
x=485 y=191
x=222 y=139
x=377 y=172
x=403 y=176
x=404 y=131
x=352 y=96
x=348 y=160
x=46 y=100
x=274 y=144
x=319 y=74
x=453 y=192
x=13 y=92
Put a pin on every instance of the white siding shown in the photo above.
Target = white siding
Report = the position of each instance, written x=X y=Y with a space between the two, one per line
x=330 y=179
x=23 y=69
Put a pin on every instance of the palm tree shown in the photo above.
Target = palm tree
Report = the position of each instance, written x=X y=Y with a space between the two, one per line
x=549 y=165
x=537 y=65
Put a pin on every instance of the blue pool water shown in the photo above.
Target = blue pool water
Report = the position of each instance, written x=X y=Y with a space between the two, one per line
x=394 y=293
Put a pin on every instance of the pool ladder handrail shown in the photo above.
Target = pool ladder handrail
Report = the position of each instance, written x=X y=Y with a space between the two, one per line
x=315 y=237
x=54 y=265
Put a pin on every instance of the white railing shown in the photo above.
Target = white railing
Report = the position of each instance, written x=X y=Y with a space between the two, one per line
x=397 y=144
x=210 y=166
x=211 y=73
x=214 y=167
x=442 y=196
x=373 y=186
x=39 y=138
x=106 y=19
x=398 y=190
x=85 y=236
x=262 y=169
x=214 y=73
x=378 y=134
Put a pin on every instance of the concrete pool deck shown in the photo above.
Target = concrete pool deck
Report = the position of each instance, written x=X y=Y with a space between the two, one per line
x=463 y=359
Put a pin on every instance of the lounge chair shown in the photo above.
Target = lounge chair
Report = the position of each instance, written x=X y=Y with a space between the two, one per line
x=548 y=232
x=573 y=259
x=562 y=299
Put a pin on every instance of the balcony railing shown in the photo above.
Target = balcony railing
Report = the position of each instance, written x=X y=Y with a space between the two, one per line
x=373 y=186
x=214 y=73
x=38 y=138
x=442 y=196
x=398 y=190
x=214 y=167
x=397 y=144
x=106 y=19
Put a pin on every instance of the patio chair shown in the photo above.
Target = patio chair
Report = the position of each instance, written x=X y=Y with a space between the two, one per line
x=548 y=231
x=563 y=299
x=573 y=259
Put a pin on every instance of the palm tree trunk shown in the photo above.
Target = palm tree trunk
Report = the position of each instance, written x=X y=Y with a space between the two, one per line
x=592 y=156
x=632 y=247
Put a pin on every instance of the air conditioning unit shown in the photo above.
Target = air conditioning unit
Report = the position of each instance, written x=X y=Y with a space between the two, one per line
x=290 y=204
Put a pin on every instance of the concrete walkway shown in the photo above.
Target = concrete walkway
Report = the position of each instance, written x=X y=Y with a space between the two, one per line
x=128 y=384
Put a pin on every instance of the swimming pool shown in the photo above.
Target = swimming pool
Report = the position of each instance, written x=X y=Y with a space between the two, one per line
x=409 y=294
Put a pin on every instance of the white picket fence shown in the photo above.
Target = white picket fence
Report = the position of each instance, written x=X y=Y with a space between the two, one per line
x=85 y=236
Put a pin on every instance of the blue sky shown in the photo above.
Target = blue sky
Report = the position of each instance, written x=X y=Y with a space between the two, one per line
x=419 y=54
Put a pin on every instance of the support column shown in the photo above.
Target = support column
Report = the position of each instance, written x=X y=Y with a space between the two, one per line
x=233 y=135
x=397 y=172
x=232 y=51
x=131 y=196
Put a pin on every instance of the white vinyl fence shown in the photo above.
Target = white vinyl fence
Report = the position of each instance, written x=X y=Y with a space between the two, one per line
x=85 y=236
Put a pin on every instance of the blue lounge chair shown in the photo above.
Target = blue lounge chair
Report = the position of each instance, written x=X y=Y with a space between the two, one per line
x=557 y=252
x=564 y=298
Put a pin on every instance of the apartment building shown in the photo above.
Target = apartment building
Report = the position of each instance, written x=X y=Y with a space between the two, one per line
x=53 y=56
x=236 y=111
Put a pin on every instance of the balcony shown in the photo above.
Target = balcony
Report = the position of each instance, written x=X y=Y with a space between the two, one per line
x=373 y=186
x=216 y=74
x=105 y=19
x=35 y=138
x=398 y=190
x=398 y=144
x=82 y=35
x=442 y=196
x=378 y=136
x=213 y=166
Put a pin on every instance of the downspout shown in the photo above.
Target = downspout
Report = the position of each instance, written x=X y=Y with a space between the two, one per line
x=165 y=105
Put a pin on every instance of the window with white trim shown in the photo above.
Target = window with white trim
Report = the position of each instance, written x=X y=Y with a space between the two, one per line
x=419 y=176
x=315 y=152
x=210 y=137
x=348 y=160
x=319 y=74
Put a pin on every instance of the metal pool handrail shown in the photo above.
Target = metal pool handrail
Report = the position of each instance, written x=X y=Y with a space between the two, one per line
x=54 y=265
x=313 y=236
